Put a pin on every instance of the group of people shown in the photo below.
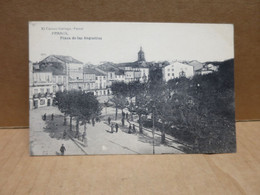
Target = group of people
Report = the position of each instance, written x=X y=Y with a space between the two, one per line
x=131 y=127
x=116 y=127
x=44 y=117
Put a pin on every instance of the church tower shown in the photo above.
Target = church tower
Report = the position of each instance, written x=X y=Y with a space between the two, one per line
x=141 y=57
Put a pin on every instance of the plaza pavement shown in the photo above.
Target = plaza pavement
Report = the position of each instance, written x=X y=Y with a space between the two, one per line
x=46 y=139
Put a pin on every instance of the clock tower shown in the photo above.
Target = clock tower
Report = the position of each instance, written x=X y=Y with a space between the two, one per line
x=141 y=57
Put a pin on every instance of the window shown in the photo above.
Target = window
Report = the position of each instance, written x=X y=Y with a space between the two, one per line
x=42 y=101
x=48 y=90
x=35 y=91
x=77 y=78
x=42 y=90
x=168 y=69
x=173 y=74
x=59 y=79
x=173 y=69
x=54 y=88
x=96 y=78
x=169 y=74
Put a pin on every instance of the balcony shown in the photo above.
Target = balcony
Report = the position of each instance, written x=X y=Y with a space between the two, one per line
x=42 y=95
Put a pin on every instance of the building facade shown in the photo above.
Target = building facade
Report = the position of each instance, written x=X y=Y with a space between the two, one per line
x=40 y=88
x=176 y=70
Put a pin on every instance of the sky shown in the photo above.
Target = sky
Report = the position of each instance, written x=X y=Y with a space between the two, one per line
x=120 y=42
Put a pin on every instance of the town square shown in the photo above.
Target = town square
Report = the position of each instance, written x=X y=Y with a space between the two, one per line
x=140 y=106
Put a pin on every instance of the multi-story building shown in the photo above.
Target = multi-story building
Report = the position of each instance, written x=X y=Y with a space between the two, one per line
x=175 y=70
x=119 y=77
x=95 y=81
x=41 y=88
x=60 y=82
x=67 y=70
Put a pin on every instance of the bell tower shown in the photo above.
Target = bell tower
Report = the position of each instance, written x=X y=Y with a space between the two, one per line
x=141 y=55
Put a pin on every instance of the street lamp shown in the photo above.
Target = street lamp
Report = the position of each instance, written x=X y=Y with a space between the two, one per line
x=153 y=125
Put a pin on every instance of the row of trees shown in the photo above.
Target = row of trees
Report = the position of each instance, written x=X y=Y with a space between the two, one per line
x=199 y=111
x=83 y=107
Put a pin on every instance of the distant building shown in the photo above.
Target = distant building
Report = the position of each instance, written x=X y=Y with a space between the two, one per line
x=141 y=57
x=207 y=69
x=95 y=81
x=128 y=71
x=40 y=88
x=176 y=70
x=60 y=82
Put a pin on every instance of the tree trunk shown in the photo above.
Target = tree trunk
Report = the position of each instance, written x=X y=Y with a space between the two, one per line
x=85 y=127
x=70 y=123
x=140 y=123
x=116 y=112
x=163 y=134
x=65 y=120
x=132 y=117
x=77 y=126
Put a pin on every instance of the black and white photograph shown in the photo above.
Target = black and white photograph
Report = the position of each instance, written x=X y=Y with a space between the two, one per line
x=131 y=88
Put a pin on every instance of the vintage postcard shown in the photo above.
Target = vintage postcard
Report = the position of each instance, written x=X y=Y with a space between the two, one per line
x=131 y=88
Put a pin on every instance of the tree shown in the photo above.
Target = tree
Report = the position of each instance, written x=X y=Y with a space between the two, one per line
x=139 y=91
x=88 y=108
x=81 y=106
x=119 y=91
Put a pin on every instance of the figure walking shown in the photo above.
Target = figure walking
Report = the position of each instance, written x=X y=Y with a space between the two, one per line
x=123 y=114
x=52 y=116
x=126 y=116
x=109 y=120
x=62 y=149
x=44 y=117
x=116 y=127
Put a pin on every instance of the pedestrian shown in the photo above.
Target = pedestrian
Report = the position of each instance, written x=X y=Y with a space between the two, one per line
x=116 y=127
x=62 y=149
x=52 y=116
x=129 y=129
x=112 y=128
x=126 y=116
x=44 y=117
x=109 y=120
x=64 y=134
x=134 y=128
x=123 y=122
x=123 y=114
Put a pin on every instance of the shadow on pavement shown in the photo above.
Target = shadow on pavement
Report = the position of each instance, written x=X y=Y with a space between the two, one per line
x=55 y=127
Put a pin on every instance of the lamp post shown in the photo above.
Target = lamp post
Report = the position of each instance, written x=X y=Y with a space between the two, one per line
x=153 y=126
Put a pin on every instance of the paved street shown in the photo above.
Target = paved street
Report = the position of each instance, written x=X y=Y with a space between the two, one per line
x=47 y=137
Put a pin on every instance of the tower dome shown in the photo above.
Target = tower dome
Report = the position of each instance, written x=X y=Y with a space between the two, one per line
x=141 y=55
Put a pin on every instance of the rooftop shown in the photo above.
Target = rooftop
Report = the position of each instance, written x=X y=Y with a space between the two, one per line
x=60 y=58
x=92 y=71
